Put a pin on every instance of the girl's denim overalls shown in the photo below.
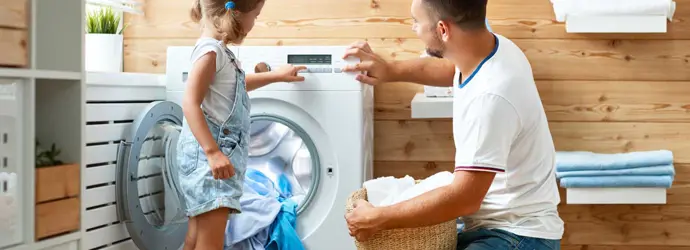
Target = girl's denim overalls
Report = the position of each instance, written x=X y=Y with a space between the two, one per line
x=201 y=191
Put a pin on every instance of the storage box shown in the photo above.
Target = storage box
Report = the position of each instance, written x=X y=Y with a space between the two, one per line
x=14 y=44
x=13 y=48
x=14 y=14
x=57 y=200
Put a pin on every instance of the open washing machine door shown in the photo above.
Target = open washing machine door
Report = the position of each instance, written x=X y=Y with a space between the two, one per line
x=148 y=202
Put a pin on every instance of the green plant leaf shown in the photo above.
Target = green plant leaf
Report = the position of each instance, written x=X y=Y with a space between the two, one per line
x=103 y=21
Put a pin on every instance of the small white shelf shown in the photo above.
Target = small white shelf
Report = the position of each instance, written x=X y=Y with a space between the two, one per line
x=431 y=107
x=616 y=24
x=39 y=74
x=616 y=195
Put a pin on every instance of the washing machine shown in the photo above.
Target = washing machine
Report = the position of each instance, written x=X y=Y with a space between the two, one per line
x=314 y=136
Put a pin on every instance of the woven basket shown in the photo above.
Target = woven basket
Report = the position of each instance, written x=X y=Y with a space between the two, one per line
x=442 y=236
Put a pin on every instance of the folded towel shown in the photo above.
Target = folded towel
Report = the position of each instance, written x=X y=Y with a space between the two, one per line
x=664 y=181
x=642 y=171
x=581 y=160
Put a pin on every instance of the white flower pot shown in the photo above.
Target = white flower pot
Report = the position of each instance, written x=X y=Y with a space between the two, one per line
x=103 y=53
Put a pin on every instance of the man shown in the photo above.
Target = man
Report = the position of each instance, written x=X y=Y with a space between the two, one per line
x=504 y=186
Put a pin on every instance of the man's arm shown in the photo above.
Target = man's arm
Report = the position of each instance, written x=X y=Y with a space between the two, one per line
x=427 y=71
x=462 y=197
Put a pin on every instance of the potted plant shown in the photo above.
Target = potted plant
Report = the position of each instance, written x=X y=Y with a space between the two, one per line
x=57 y=189
x=104 y=41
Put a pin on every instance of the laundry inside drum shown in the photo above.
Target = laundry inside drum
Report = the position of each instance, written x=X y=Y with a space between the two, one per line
x=282 y=161
x=158 y=197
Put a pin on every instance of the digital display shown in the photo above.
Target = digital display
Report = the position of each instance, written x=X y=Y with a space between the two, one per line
x=309 y=59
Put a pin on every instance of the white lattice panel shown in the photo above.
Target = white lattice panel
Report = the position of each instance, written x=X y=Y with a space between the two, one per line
x=110 y=111
x=11 y=102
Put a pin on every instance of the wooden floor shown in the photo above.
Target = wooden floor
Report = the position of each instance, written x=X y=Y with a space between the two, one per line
x=603 y=93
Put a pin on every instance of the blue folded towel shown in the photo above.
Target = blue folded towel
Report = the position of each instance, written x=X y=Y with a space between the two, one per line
x=664 y=181
x=642 y=171
x=582 y=160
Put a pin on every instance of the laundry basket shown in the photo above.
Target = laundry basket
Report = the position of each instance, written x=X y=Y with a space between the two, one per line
x=441 y=236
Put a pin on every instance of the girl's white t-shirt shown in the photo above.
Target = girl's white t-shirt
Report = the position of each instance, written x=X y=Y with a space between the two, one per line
x=220 y=98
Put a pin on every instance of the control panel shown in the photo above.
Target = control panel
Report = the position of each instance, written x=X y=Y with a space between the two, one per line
x=323 y=67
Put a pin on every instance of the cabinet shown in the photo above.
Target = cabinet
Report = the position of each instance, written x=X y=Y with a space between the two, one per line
x=41 y=98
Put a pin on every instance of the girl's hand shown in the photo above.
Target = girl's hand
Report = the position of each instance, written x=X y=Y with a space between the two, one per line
x=288 y=73
x=220 y=165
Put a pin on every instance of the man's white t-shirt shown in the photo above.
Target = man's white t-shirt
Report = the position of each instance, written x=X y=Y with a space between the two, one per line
x=500 y=126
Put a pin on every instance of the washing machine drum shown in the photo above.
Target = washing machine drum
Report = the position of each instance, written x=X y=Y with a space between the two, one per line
x=148 y=200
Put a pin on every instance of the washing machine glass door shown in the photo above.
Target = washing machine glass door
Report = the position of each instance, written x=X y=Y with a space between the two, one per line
x=148 y=199
x=283 y=160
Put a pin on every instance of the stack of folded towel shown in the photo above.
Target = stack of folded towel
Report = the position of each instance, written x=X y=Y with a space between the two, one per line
x=579 y=169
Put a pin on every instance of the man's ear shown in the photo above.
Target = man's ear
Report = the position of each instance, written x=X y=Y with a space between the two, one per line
x=443 y=29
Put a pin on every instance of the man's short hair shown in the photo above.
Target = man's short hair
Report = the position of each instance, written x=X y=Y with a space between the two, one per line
x=466 y=14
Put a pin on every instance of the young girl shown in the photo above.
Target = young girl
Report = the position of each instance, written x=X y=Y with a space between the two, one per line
x=212 y=148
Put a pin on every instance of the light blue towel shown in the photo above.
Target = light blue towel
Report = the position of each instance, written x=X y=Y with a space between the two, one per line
x=581 y=160
x=284 y=229
x=642 y=171
x=617 y=181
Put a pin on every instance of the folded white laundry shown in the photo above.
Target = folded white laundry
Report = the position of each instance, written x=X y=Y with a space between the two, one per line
x=565 y=8
x=386 y=191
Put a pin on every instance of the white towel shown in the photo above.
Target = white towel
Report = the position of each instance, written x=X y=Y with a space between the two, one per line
x=383 y=190
x=386 y=191
x=564 y=8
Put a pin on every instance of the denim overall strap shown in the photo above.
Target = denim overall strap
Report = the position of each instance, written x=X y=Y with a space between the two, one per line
x=234 y=131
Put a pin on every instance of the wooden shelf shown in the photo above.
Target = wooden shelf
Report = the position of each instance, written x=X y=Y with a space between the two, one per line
x=39 y=74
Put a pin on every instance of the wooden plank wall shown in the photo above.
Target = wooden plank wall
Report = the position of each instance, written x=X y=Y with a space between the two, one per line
x=605 y=93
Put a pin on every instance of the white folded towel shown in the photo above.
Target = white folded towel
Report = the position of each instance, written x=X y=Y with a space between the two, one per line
x=386 y=191
x=564 y=8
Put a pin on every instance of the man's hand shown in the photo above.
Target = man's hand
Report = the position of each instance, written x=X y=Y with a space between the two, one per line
x=363 y=221
x=377 y=69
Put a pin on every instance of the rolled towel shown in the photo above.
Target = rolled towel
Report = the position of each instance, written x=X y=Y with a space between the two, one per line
x=642 y=171
x=617 y=181
x=582 y=160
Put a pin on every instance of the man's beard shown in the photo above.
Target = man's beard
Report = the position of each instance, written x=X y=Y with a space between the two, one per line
x=438 y=53
x=434 y=52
